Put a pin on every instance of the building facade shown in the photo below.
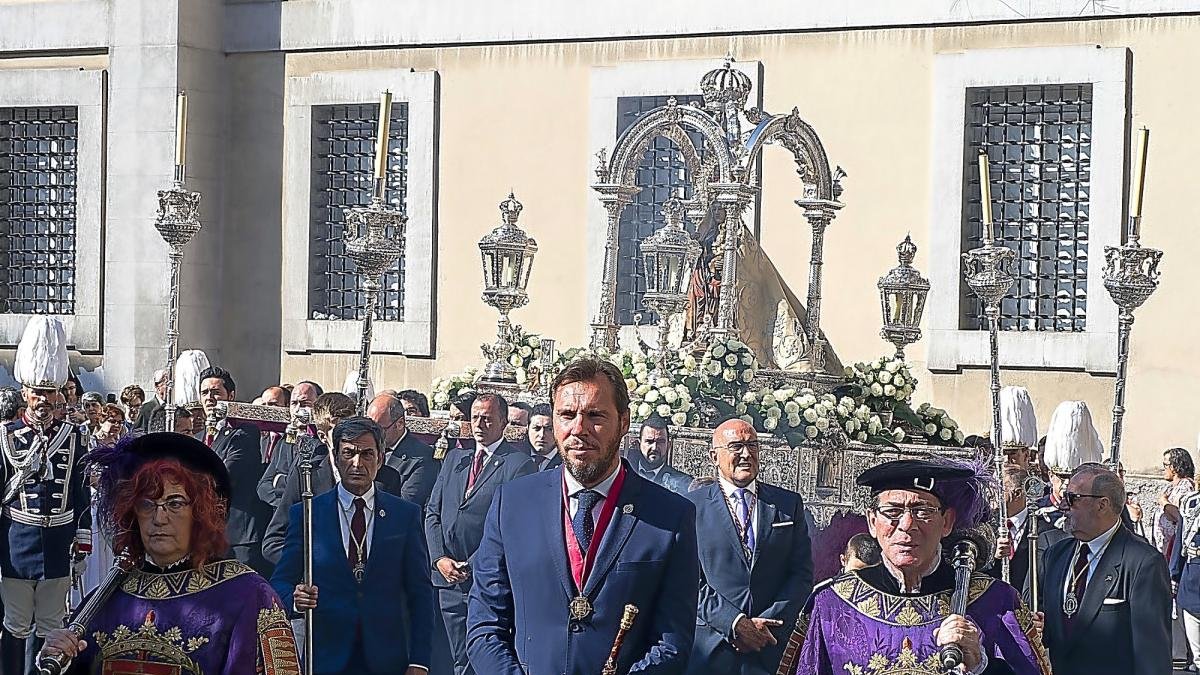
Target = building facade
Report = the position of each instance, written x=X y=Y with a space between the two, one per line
x=493 y=97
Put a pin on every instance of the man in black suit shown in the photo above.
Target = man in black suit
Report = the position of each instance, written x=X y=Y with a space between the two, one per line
x=541 y=438
x=411 y=458
x=519 y=413
x=457 y=508
x=756 y=566
x=281 y=456
x=156 y=402
x=328 y=410
x=1107 y=593
x=238 y=448
x=654 y=442
x=1017 y=530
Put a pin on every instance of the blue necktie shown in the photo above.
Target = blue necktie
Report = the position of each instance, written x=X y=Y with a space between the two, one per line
x=582 y=523
x=743 y=496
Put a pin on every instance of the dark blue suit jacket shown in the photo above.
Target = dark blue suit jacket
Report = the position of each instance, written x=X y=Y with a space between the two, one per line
x=453 y=518
x=393 y=606
x=774 y=584
x=517 y=620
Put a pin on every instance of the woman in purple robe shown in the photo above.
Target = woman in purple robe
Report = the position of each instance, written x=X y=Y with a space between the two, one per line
x=895 y=617
x=186 y=609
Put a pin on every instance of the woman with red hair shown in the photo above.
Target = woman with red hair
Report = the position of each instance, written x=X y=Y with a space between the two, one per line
x=187 y=607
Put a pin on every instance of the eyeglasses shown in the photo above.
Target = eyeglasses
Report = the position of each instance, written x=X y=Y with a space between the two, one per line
x=921 y=513
x=739 y=448
x=1069 y=498
x=173 y=506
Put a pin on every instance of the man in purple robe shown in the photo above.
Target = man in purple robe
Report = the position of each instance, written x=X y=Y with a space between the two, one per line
x=184 y=609
x=895 y=617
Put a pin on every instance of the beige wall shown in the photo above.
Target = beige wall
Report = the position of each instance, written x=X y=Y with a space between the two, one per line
x=516 y=117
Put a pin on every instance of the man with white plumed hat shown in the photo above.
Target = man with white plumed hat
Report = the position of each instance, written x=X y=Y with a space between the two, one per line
x=46 y=517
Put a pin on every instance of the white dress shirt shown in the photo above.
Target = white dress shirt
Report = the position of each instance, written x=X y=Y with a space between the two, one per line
x=1096 y=548
x=1017 y=531
x=346 y=513
x=574 y=487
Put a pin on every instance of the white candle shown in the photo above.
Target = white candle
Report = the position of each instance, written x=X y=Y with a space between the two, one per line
x=381 y=134
x=1138 y=178
x=180 y=128
x=507 y=276
x=985 y=196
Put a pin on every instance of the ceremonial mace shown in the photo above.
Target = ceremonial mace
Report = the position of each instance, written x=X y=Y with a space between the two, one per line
x=1130 y=276
x=55 y=664
x=987 y=272
x=374 y=252
x=306 y=447
x=610 y=666
x=178 y=221
x=973 y=546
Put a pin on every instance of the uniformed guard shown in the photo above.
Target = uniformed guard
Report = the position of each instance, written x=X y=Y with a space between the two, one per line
x=45 y=524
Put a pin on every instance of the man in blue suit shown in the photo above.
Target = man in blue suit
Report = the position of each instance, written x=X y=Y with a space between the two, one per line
x=564 y=552
x=369 y=561
x=755 y=561
x=457 y=508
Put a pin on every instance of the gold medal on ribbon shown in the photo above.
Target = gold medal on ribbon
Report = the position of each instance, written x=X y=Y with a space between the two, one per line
x=581 y=608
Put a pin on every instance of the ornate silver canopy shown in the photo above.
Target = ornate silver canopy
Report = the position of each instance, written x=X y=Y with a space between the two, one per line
x=507 y=257
x=902 y=293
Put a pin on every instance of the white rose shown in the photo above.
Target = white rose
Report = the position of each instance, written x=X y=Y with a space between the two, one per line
x=689 y=362
x=810 y=415
x=889 y=391
x=640 y=367
x=644 y=410
x=641 y=390
x=898 y=436
x=874 y=426
x=847 y=402
x=535 y=342
x=441 y=398
x=791 y=407
x=770 y=423
x=793 y=420
x=950 y=424
x=735 y=345
x=670 y=396
x=663 y=410
x=643 y=377
x=808 y=400
x=945 y=434
x=747 y=376
x=731 y=359
x=652 y=396
x=892 y=366
x=768 y=400
x=747 y=359
x=842 y=411
x=679 y=419
x=823 y=423
x=811 y=432
x=631 y=384
x=849 y=426
x=729 y=376
x=774 y=413
x=876 y=390
x=958 y=437
x=714 y=368
x=898 y=380
x=931 y=428
x=514 y=360
x=747 y=419
x=718 y=351
x=860 y=436
x=740 y=409
x=662 y=382
x=821 y=409
x=750 y=397
x=848 y=371
x=924 y=407
x=526 y=352
x=522 y=378
x=884 y=377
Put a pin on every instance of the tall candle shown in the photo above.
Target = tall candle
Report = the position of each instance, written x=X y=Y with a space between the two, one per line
x=1139 y=173
x=180 y=128
x=985 y=196
x=507 y=274
x=381 y=135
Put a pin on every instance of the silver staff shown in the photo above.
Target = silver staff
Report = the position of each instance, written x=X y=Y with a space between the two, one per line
x=1130 y=276
x=987 y=272
x=178 y=221
x=306 y=446
x=54 y=664
x=374 y=252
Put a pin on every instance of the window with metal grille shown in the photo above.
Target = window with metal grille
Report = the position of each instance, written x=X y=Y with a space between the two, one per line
x=1038 y=140
x=343 y=164
x=662 y=175
x=37 y=209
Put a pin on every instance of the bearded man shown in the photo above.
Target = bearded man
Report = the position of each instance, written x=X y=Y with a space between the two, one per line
x=565 y=550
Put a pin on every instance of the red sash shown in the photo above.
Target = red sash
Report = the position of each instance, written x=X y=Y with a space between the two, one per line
x=581 y=565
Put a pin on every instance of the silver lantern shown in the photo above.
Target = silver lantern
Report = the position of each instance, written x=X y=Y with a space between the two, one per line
x=507 y=256
x=668 y=255
x=902 y=294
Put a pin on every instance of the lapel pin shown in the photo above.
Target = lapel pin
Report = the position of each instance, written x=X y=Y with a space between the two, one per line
x=627 y=509
x=382 y=513
x=1108 y=578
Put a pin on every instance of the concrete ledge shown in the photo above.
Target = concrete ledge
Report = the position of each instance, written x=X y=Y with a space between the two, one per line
x=54 y=26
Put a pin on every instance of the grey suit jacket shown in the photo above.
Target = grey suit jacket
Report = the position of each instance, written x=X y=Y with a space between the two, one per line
x=1123 y=622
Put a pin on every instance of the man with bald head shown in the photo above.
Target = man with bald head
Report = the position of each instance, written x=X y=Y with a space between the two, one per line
x=1107 y=594
x=755 y=561
x=404 y=452
x=278 y=453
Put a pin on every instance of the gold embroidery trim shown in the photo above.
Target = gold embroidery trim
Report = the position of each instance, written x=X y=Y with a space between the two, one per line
x=153 y=586
x=276 y=643
x=905 y=611
x=169 y=646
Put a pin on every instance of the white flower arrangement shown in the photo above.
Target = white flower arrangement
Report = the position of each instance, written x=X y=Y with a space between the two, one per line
x=446 y=389
x=527 y=354
x=938 y=426
x=884 y=381
x=672 y=402
x=727 y=367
